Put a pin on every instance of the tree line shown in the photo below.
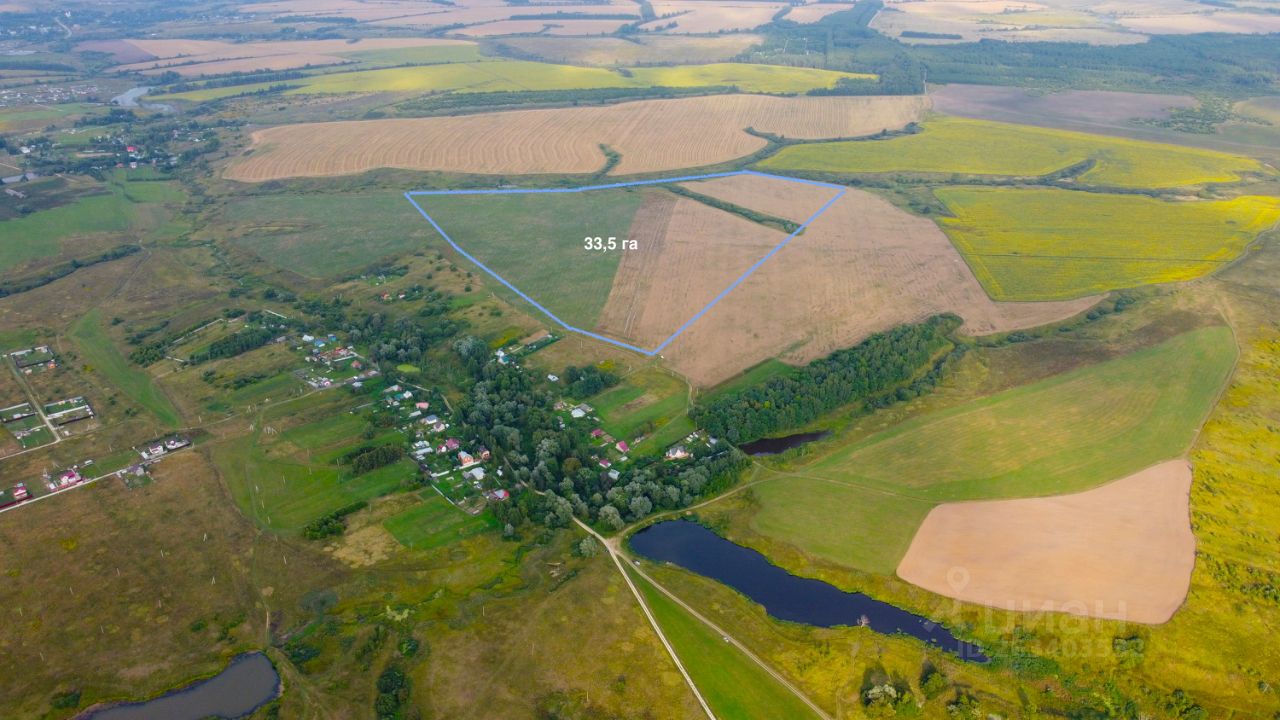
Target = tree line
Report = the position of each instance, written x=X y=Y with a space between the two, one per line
x=868 y=371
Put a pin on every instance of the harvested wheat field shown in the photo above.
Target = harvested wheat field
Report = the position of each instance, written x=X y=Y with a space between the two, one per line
x=1216 y=22
x=634 y=51
x=1123 y=551
x=651 y=135
x=688 y=253
x=213 y=57
x=699 y=17
x=862 y=267
x=549 y=25
x=814 y=12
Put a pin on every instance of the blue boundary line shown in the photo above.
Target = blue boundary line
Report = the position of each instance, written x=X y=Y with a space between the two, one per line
x=663 y=181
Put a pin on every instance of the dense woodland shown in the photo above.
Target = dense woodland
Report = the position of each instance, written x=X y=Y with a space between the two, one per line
x=882 y=366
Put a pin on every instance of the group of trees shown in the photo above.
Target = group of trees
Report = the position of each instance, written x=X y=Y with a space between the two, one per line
x=332 y=524
x=366 y=459
x=585 y=381
x=870 y=370
x=237 y=343
x=61 y=270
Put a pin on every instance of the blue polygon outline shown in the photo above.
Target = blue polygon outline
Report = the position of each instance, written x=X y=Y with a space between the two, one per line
x=662 y=181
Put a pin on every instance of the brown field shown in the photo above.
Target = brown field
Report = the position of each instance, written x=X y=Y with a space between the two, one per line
x=1010 y=104
x=695 y=17
x=862 y=267
x=1204 y=22
x=1123 y=551
x=641 y=51
x=212 y=57
x=651 y=135
x=689 y=252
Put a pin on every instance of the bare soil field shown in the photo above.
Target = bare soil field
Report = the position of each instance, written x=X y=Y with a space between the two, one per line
x=695 y=17
x=862 y=267
x=1123 y=551
x=1010 y=104
x=640 y=51
x=695 y=252
x=651 y=135
x=213 y=57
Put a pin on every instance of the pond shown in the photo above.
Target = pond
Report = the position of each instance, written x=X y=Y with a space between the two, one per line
x=773 y=446
x=783 y=595
x=248 y=683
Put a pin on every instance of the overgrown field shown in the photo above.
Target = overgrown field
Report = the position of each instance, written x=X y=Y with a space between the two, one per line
x=535 y=242
x=522 y=75
x=124 y=212
x=101 y=355
x=651 y=403
x=979 y=147
x=326 y=234
x=1050 y=244
x=859 y=505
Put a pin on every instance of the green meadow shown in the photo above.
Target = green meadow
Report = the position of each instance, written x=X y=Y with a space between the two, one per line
x=648 y=402
x=734 y=686
x=435 y=523
x=859 y=505
x=100 y=354
x=535 y=241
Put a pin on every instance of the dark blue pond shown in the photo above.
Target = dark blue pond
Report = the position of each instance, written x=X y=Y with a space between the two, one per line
x=773 y=446
x=783 y=595
x=248 y=683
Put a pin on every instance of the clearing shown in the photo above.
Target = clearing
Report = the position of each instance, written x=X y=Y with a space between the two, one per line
x=1051 y=244
x=1122 y=551
x=651 y=136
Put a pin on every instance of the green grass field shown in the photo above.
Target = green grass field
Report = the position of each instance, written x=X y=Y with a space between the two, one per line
x=323 y=235
x=535 y=242
x=284 y=494
x=100 y=354
x=648 y=402
x=522 y=75
x=28 y=117
x=860 y=504
x=734 y=686
x=1050 y=244
x=979 y=147
x=138 y=209
x=435 y=523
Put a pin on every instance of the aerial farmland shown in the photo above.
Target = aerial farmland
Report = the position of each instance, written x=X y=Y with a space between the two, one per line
x=639 y=359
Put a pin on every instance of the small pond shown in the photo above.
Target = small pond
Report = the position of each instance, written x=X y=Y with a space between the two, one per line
x=248 y=683
x=773 y=446
x=783 y=595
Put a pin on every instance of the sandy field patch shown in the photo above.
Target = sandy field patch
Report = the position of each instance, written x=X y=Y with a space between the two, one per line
x=702 y=250
x=1123 y=551
x=651 y=135
x=862 y=267
x=1010 y=104
x=712 y=17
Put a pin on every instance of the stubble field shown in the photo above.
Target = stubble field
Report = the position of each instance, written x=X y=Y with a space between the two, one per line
x=651 y=135
x=862 y=266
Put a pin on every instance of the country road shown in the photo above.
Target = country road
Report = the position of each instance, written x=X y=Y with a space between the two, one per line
x=619 y=556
